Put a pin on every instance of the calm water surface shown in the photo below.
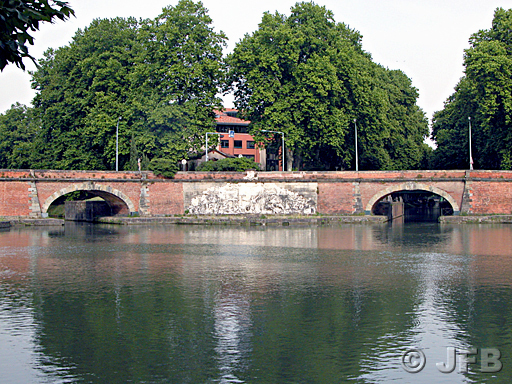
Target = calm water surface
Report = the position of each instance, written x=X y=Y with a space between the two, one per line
x=200 y=304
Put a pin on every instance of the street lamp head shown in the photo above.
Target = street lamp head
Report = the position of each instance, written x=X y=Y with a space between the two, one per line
x=355 y=120
x=469 y=117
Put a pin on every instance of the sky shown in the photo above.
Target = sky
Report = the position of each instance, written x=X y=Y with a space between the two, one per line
x=423 y=38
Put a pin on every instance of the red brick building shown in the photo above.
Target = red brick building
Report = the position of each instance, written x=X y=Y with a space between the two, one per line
x=236 y=139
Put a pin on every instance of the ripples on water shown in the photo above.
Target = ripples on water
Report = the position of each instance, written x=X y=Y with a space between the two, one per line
x=173 y=304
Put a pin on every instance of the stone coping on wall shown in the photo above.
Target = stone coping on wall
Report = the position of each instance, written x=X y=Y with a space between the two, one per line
x=248 y=220
x=317 y=175
x=34 y=222
x=31 y=174
x=475 y=219
x=256 y=220
x=254 y=176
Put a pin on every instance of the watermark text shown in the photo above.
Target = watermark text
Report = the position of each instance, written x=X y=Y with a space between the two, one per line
x=414 y=360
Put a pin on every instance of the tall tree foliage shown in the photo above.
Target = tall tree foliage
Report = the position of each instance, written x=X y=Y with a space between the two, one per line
x=18 y=18
x=308 y=76
x=18 y=127
x=160 y=76
x=485 y=95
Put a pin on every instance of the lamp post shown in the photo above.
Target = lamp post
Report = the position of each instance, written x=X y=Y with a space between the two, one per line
x=206 y=144
x=117 y=144
x=282 y=150
x=470 y=153
x=357 y=157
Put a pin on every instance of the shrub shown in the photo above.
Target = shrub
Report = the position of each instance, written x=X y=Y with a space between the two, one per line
x=163 y=167
x=237 y=164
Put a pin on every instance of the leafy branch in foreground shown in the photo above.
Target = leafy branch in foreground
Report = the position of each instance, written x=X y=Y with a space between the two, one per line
x=17 y=18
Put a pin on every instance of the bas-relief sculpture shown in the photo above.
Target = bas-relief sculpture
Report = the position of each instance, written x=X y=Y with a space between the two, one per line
x=250 y=198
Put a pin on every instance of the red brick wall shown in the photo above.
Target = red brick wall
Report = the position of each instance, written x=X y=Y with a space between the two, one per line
x=491 y=190
x=335 y=198
x=491 y=197
x=318 y=176
x=498 y=175
x=14 y=200
x=57 y=174
x=166 y=198
x=132 y=190
x=46 y=189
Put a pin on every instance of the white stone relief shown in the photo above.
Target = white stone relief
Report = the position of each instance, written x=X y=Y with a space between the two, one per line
x=250 y=198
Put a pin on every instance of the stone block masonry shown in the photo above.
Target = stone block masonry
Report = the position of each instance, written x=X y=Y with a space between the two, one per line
x=251 y=198
x=29 y=193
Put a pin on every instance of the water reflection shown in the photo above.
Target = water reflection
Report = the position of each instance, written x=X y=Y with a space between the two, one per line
x=189 y=304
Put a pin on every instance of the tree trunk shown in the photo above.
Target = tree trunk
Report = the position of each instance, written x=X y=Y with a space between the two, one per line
x=289 y=159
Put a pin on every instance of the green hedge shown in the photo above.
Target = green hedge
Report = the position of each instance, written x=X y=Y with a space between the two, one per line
x=237 y=164
x=163 y=167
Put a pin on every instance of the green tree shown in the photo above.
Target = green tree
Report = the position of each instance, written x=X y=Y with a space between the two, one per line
x=17 y=18
x=82 y=89
x=18 y=127
x=182 y=78
x=160 y=76
x=485 y=95
x=133 y=164
x=308 y=76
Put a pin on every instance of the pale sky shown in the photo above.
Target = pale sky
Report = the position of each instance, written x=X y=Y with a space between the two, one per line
x=423 y=38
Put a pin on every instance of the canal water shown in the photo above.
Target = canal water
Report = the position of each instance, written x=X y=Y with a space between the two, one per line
x=210 y=304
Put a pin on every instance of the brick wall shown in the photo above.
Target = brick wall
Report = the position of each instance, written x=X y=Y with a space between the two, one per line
x=166 y=198
x=490 y=191
x=14 y=198
x=491 y=197
x=336 y=198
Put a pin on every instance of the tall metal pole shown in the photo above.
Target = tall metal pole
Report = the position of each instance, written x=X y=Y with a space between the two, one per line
x=206 y=148
x=282 y=157
x=117 y=144
x=470 y=152
x=357 y=156
x=206 y=143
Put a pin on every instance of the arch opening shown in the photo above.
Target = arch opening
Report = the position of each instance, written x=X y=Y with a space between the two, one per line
x=408 y=206
x=86 y=205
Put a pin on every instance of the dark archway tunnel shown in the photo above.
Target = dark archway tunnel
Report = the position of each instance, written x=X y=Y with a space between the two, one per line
x=413 y=206
x=86 y=205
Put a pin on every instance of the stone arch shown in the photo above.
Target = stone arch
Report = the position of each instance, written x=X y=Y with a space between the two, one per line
x=116 y=199
x=411 y=186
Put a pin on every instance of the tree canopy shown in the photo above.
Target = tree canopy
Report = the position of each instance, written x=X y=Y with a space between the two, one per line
x=161 y=77
x=484 y=94
x=18 y=18
x=308 y=76
x=18 y=128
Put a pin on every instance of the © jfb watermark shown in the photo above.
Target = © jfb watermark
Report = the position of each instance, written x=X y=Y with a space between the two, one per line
x=414 y=360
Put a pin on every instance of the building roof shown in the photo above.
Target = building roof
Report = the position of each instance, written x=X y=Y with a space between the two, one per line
x=200 y=155
x=222 y=117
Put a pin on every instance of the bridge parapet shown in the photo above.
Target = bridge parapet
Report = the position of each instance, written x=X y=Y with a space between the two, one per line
x=417 y=175
x=320 y=176
x=73 y=175
x=31 y=192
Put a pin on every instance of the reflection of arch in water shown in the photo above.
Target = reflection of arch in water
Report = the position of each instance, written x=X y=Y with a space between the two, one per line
x=119 y=203
x=411 y=186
